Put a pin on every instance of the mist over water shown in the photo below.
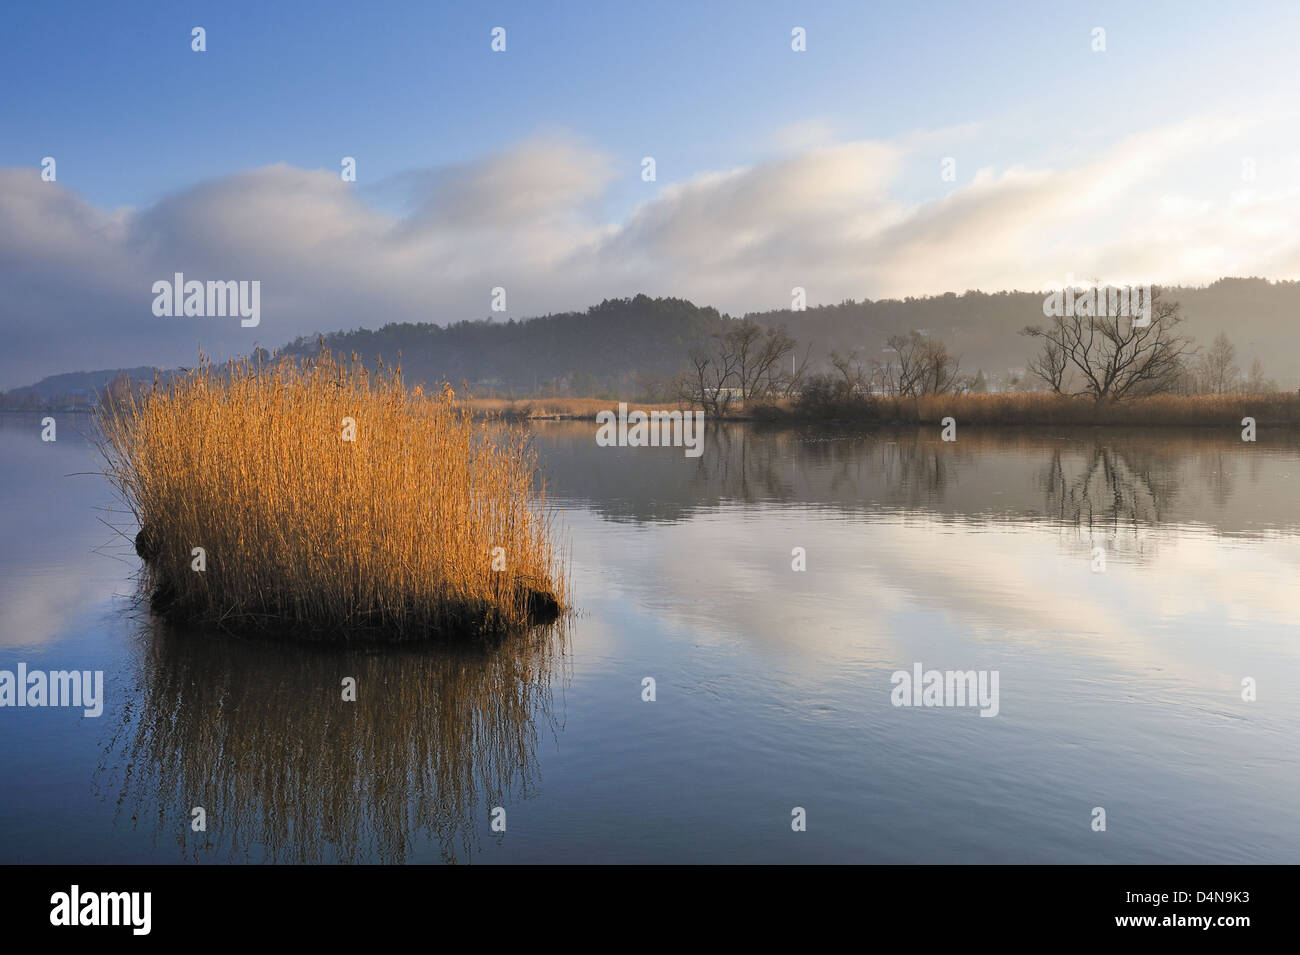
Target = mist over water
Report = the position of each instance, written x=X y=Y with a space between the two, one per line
x=1119 y=688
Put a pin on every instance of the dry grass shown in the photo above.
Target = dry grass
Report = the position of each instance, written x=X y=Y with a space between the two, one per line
x=1280 y=409
x=390 y=536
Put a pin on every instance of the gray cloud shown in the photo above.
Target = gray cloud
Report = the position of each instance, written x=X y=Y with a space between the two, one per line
x=78 y=278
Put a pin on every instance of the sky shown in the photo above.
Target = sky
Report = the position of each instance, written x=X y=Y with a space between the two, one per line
x=908 y=149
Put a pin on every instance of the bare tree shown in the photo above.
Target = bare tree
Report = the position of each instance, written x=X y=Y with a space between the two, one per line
x=1257 y=383
x=1217 y=367
x=1049 y=364
x=922 y=366
x=710 y=380
x=746 y=361
x=854 y=377
x=1112 y=356
x=758 y=355
x=790 y=385
x=940 y=370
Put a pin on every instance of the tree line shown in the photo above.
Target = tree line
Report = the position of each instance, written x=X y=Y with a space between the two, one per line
x=1099 y=357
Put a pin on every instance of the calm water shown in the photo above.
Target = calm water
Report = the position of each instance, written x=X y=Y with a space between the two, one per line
x=1118 y=688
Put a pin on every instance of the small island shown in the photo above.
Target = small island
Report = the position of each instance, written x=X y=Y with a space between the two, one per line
x=327 y=501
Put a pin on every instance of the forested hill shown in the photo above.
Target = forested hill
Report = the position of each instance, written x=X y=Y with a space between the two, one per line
x=621 y=346
x=633 y=346
x=1261 y=318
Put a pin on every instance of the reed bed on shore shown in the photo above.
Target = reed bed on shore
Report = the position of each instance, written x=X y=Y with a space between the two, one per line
x=1276 y=409
x=331 y=502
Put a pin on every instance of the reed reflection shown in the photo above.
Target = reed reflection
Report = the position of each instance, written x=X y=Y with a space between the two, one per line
x=287 y=771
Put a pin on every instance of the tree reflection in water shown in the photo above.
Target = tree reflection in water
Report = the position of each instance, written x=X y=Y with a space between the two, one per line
x=287 y=771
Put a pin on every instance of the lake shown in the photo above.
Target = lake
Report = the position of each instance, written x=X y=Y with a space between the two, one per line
x=1120 y=584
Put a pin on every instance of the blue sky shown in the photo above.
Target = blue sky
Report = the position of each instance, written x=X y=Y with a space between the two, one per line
x=115 y=91
x=774 y=167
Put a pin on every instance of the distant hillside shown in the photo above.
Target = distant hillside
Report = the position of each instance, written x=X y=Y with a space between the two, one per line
x=635 y=346
x=75 y=389
x=1260 y=318
x=621 y=346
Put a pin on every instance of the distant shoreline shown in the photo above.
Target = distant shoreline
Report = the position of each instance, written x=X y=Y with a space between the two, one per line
x=1272 y=410
x=1279 y=409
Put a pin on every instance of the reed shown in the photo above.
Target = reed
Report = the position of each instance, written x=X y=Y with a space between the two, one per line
x=1273 y=410
x=456 y=728
x=426 y=523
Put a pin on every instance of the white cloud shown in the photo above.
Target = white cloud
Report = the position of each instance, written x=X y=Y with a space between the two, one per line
x=77 y=278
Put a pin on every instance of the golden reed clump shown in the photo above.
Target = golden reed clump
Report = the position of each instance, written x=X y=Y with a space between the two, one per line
x=406 y=521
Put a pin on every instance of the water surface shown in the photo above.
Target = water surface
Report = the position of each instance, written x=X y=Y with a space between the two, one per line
x=1119 y=688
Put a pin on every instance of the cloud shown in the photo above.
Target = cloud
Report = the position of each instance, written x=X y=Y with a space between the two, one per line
x=546 y=181
x=78 y=278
